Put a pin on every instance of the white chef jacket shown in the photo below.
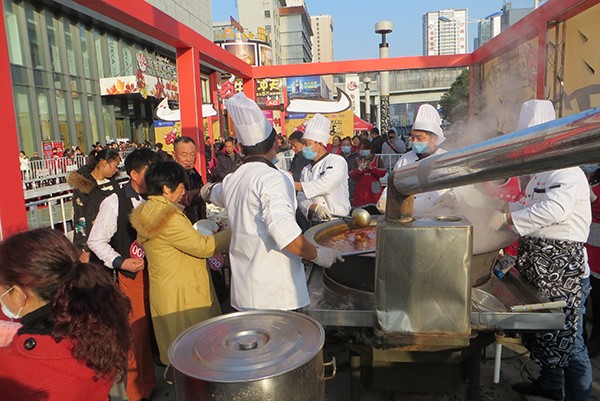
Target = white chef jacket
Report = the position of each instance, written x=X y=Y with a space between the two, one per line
x=325 y=183
x=556 y=206
x=105 y=227
x=261 y=206
x=423 y=201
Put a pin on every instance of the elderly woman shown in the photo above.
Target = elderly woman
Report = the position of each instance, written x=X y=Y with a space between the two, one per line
x=181 y=292
x=74 y=338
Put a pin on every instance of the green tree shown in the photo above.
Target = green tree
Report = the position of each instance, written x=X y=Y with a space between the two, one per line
x=455 y=102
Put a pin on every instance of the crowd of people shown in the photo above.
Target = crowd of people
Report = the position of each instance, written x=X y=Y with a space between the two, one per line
x=143 y=265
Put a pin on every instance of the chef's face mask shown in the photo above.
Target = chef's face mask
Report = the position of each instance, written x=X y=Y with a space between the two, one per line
x=589 y=168
x=420 y=147
x=309 y=153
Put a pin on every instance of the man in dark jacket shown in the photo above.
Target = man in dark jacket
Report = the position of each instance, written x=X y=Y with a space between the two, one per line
x=227 y=162
x=377 y=141
x=184 y=153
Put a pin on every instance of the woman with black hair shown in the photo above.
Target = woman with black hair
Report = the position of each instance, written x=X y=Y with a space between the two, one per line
x=91 y=184
x=74 y=338
x=181 y=291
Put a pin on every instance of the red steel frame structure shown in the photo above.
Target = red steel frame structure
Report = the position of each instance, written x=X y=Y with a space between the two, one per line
x=192 y=50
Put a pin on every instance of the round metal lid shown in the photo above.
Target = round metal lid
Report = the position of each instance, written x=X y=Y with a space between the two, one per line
x=247 y=346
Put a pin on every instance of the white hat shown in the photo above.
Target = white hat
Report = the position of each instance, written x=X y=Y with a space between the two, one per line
x=534 y=112
x=318 y=129
x=251 y=125
x=428 y=119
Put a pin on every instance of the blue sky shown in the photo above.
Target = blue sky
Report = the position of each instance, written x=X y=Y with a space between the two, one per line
x=354 y=22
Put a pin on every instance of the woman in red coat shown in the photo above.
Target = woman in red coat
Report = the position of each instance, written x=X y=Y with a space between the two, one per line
x=366 y=172
x=74 y=337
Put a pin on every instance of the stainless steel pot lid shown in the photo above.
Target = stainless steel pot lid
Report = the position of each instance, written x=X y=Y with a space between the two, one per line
x=247 y=346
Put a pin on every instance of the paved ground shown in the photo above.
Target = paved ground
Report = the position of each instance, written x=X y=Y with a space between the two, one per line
x=513 y=370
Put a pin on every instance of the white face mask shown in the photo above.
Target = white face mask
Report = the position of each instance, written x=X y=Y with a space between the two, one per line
x=6 y=311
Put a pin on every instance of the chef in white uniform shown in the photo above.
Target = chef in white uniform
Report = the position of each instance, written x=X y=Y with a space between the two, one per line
x=323 y=186
x=553 y=221
x=426 y=136
x=267 y=246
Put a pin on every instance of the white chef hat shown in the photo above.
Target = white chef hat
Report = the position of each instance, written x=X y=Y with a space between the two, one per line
x=428 y=119
x=251 y=125
x=318 y=129
x=534 y=112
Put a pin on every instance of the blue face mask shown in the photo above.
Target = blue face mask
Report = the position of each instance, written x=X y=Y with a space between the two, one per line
x=346 y=149
x=365 y=152
x=275 y=160
x=420 y=147
x=589 y=168
x=309 y=153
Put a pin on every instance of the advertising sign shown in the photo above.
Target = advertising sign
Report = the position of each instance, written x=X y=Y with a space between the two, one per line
x=342 y=124
x=304 y=87
x=268 y=92
x=48 y=147
x=246 y=51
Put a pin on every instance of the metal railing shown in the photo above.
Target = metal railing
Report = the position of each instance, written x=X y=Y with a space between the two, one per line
x=47 y=172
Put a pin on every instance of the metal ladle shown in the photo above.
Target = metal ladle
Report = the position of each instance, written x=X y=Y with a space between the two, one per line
x=360 y=218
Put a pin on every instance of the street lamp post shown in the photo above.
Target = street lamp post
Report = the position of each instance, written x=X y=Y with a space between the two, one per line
x=383 y=28
x=367 y=81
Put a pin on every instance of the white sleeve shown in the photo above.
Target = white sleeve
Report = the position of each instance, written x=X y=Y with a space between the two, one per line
x=335 y=172
x=558 y=204
x=217 y=196
x=103 y=229
x=278 y=210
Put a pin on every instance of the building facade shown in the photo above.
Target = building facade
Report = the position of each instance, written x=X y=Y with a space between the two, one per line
x=196 y=14
x=296 y=32
x=445 y=32
x=322 y=40
x=74 y=76
x=265 y=14
x=511 y=15
x=487 y=28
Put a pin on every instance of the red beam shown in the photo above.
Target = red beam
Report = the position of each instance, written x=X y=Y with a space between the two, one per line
x=145 y=18
x=13 y=217
x=190 y=101
x=358 y=66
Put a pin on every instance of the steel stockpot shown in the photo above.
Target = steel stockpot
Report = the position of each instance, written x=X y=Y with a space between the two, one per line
x=251 y=356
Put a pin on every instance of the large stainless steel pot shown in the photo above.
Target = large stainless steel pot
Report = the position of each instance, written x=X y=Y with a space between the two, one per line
x=251 y=356
x=358 y=271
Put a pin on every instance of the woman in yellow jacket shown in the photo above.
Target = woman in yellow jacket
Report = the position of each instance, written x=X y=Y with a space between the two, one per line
x=181 y=292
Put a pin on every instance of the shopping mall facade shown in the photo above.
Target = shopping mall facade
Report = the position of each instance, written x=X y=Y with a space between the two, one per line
x=80 y=78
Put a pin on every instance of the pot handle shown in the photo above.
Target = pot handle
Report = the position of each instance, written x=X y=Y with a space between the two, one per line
x=166 y=374
x=333 y=368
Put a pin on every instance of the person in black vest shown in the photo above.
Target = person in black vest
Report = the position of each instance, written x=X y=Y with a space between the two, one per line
x=114 y=241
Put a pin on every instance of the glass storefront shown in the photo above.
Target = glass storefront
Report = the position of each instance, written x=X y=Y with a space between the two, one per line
x=56 y=65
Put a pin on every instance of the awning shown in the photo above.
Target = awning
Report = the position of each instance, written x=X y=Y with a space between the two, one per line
x=361 y=125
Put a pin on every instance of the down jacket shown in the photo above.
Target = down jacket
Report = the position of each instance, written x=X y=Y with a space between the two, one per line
x=88 y=194
x=181 y=291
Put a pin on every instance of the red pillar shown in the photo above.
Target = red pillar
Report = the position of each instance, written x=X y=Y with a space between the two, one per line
x=190 y=101
x=13 y=217
x=250 y=88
